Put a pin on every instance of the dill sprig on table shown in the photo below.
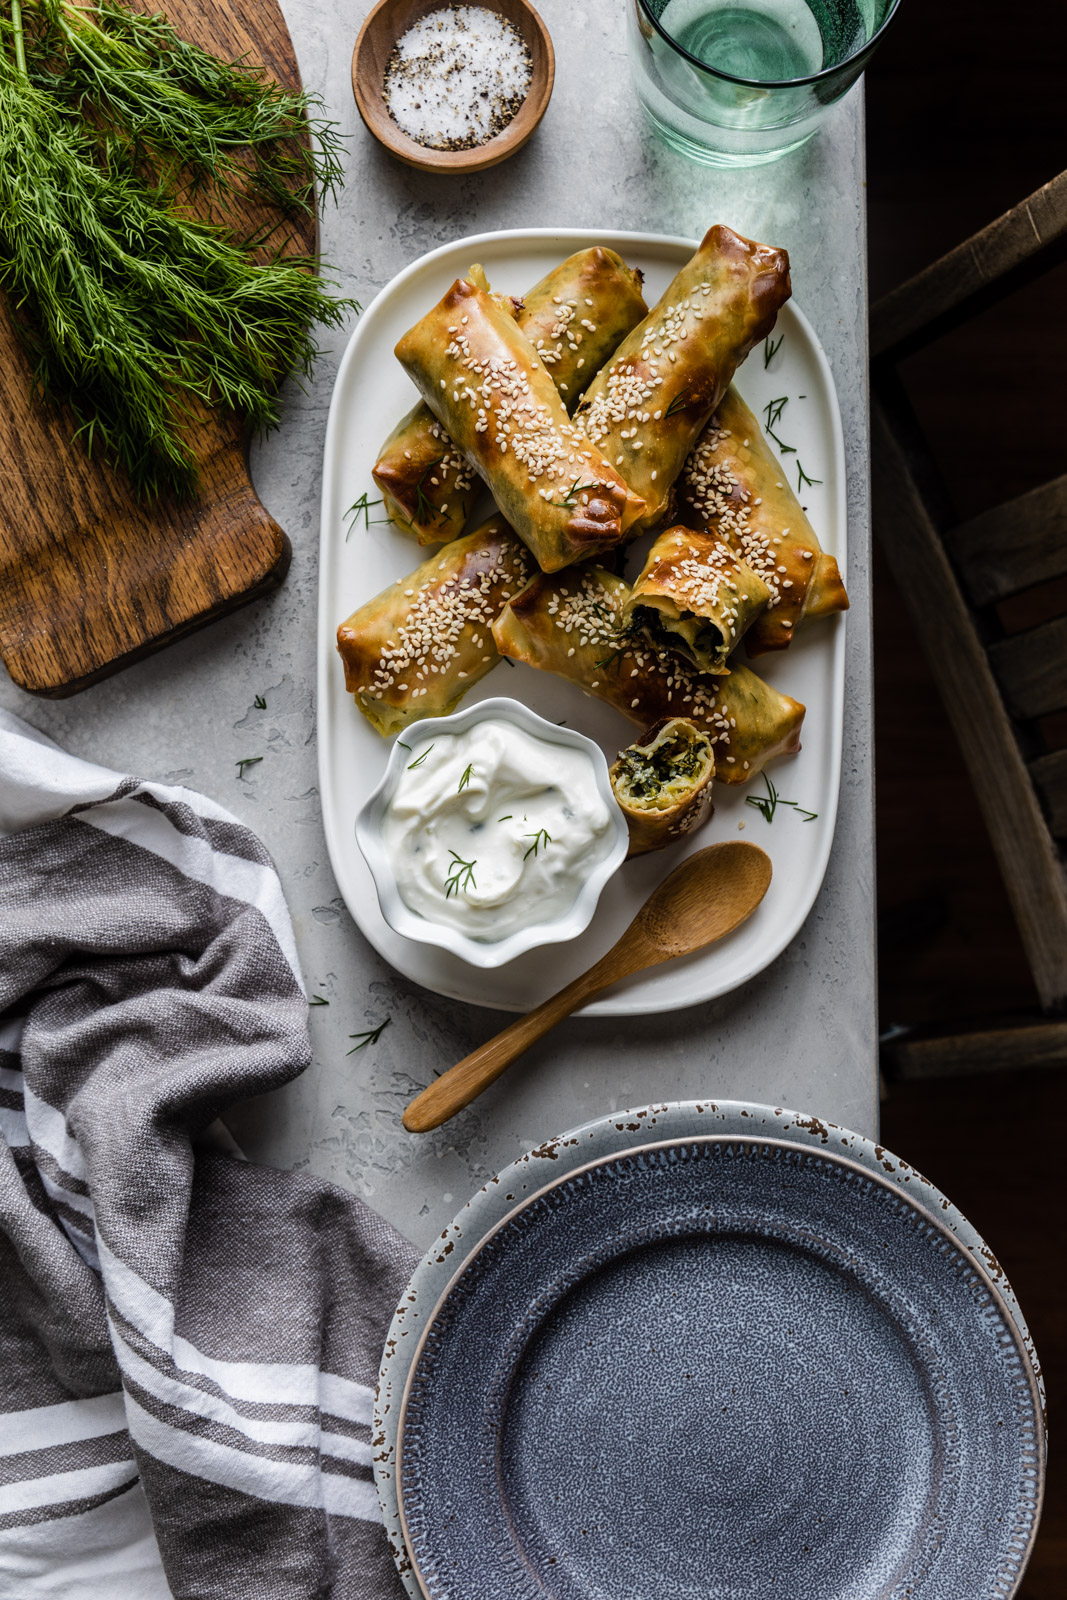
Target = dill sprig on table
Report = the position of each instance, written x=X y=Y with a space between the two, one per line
x=134 y=315
x=368 y=1036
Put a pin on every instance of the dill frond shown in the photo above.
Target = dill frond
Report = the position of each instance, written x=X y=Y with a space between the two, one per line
x=135 y=316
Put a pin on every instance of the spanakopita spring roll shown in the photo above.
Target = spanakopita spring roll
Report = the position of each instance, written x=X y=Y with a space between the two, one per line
x=575 y=317
x=662 y=783
x=486 y=385
x=579 y=314
x=646 y=408
x=416 y=648
x=694 y=596
x=734 y=485
x=427 y=485
x=574 y=624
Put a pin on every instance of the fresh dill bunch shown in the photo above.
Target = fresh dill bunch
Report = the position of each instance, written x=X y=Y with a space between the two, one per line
x=180 y=108
x=136 y=317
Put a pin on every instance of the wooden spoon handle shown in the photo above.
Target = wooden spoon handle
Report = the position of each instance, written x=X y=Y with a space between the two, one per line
x=462 y=1083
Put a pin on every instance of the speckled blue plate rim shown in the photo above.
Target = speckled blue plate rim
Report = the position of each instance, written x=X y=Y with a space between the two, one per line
x=752 y=1138
x=618 y=1133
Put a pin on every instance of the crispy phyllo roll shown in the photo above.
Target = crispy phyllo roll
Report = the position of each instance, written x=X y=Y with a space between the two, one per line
x=574 y=624
x=694 y=596
x=579 y=314
x=415 y=649
x=575 y=318
x=484 y=382
x=427 y=484
x=646 y=408
x=662 y=783
x=735 y=486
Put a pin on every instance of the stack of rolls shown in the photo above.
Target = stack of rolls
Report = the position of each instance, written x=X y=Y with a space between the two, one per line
x=592 y=421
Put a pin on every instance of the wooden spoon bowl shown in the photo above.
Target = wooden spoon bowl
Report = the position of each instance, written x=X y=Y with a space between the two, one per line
x=389 y=20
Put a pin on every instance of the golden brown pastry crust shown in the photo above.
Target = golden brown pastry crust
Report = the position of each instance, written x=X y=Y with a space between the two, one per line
x=579 y=314
x=575 y=317
x=416 y=648
x=646 y=408
x=483 y=381
x=427 y=485
x=695 y=597
x=735 y=486
x=573 y=624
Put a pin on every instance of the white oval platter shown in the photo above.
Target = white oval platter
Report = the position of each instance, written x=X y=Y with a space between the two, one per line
x=356 y=562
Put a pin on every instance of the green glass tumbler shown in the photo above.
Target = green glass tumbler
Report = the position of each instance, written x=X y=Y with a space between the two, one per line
x=736 y=83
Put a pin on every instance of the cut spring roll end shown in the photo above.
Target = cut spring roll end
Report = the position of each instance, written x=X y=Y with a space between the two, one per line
x=735 y=486
x=662 y=783
x=573 y=624
x=694 y=596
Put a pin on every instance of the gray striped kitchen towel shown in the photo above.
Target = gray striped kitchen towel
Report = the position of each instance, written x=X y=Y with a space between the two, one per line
x=188 y=1342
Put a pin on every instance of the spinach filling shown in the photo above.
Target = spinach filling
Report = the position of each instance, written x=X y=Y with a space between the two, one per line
x=665 y=772
x=697 y=638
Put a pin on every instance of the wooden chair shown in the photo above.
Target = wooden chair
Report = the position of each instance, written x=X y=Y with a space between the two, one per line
x=951 y=576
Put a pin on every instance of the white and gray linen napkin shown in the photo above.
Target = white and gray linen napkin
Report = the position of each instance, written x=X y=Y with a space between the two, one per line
x=188 y=1342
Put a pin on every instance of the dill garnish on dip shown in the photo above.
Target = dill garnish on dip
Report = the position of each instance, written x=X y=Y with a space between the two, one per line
x=494 y=829
x=457 y=77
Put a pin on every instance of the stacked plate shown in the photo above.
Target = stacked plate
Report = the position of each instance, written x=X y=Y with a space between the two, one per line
x=709 y=1351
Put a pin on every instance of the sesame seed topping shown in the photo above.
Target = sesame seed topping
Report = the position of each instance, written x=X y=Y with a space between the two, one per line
x=591 y=614
x=441 y=617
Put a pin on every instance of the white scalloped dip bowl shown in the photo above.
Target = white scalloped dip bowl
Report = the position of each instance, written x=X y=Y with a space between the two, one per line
x=482 y=952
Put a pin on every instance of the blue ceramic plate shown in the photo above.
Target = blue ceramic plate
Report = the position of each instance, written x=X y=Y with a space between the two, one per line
x=715 y=1369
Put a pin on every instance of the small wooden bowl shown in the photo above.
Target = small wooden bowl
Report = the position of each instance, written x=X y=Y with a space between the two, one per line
x=379 y=33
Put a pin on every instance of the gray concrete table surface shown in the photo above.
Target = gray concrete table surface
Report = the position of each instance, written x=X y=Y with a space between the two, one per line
x=803 y=1033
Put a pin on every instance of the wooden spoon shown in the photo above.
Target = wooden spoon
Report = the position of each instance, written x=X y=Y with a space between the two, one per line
x=706 y=897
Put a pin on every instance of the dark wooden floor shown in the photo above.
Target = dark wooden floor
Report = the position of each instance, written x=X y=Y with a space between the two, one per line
x=964 y=120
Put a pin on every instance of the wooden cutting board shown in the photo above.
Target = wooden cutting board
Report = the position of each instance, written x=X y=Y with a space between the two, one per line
x=91 y=579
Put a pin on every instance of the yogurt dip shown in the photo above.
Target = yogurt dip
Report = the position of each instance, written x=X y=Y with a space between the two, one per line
x=493 y=829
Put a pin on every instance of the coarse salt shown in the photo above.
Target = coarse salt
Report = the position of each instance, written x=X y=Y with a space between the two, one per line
x=457 y=77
